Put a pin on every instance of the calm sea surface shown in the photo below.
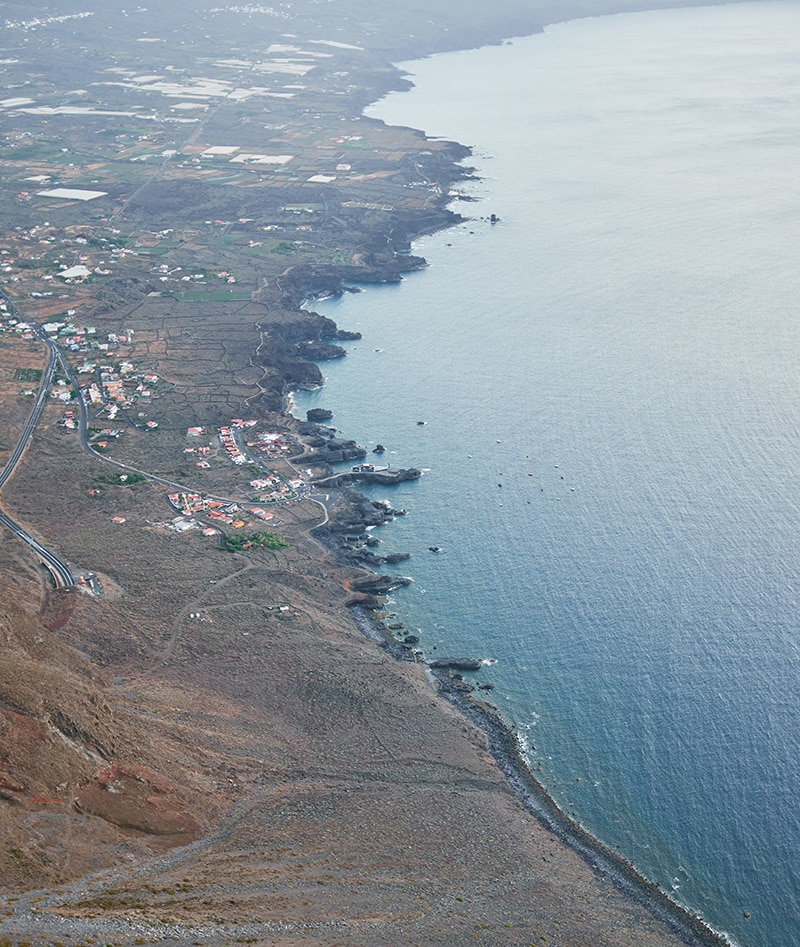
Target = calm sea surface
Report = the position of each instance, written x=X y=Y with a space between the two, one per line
x=609 y=378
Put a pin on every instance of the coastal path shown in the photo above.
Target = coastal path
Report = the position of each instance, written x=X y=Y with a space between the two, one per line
x=164 y=656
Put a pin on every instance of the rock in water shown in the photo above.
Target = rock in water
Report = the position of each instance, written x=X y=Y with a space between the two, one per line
x=457 y=664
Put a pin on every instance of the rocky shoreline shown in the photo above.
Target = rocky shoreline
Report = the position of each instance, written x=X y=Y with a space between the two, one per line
x=446 y=673
x=345 y=537
x=506 y=749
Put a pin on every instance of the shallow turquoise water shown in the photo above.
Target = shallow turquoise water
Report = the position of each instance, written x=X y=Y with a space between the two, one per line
x=612 y=450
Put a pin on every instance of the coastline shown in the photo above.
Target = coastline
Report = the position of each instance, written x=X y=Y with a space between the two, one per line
x=506 y=751
x=505 y=748
x=501 y=738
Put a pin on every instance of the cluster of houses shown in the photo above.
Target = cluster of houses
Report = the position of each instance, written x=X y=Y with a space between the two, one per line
x=230 y=445
x=30 y=267
x=202 y=451
x=271 y=488
x=118 y=387
x=85 y=338
x=73 y=337
x=228 y=439
x=273 y=444
x=231 y=514
x=166 y=273
x=115 y=386
x=10 y=324
x=261 y=514
x=190 y=504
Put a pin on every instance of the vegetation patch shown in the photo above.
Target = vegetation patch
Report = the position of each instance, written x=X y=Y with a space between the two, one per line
x=243 y=541
x=28 y=374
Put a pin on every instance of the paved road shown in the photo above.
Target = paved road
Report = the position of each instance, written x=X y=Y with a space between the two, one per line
x=60 y=571
x=36 y=413
x=58 y=568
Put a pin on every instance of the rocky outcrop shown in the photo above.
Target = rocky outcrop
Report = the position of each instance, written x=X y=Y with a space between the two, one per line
x=322 y=447
x=395 y=557
x=360 y=554
x=319 y=351
x=378 y=584
x=335 y=450
x=312 y=434
x=318 y=414
x=457 y=664
x=288 y=341
x=311 y=280
x=383 y=477
x=355 y=513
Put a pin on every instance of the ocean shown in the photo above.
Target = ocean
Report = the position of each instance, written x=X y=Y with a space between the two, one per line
x=611 y=448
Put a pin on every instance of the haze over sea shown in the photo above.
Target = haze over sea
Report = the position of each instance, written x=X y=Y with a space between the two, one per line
x=612 y=447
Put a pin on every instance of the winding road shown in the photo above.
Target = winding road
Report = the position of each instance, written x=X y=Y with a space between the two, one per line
x=60 y=571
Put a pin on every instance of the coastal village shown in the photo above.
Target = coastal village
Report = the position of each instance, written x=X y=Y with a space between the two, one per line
x=268 y=488
x=85 y=236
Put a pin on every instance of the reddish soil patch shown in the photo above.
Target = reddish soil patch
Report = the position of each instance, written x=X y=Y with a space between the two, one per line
x=57 y=608
x=136 y=799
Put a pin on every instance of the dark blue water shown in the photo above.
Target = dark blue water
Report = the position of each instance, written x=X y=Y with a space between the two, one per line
x=612 y=446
